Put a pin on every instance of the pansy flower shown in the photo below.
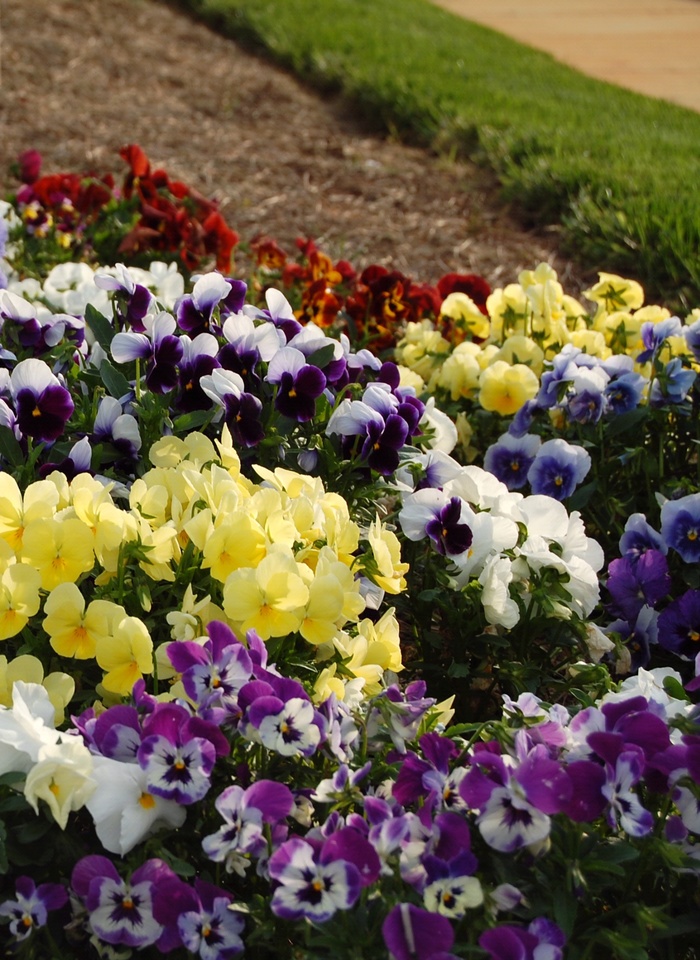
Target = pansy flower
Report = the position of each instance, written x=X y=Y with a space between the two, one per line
x=242 y=411
x=43 y=406
x=679 y=625
x=132 y=300
x=161 y=349
x=558 y=468
x=120 y=911
x=195 y=311
x=199 y=359
x=200 y=919
x=299 y=384
x=411 y=933
x=311 y=885
x=680 y=526
x=30 y=908
x=511 y=457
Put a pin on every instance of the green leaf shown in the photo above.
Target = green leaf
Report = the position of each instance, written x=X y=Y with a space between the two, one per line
x=626 y=421
x=100 y=327
x=675 y=689
x=580 y=497
x=191 y=421
x=322 y=357
x=114 y=380
x=33 y=830
x=10 y=448
x=4 y=863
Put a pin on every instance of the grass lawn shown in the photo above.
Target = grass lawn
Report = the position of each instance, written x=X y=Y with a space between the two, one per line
x=618 y=170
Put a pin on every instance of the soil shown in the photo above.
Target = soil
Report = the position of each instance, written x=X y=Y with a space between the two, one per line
x=81 y=79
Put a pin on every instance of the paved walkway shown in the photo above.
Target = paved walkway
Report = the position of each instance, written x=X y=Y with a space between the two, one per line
x=651 y=46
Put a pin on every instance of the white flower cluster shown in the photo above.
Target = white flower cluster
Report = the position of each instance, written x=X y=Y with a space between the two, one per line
x=501 y=539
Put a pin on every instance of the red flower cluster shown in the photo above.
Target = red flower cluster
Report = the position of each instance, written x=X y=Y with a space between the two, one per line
x=64 y=201
x=374 y=306
x=164 y=215
x=174 y=217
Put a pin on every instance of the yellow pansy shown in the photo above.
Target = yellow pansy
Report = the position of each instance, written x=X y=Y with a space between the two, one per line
x=61 y=550
x=125 y=655
x=422 y=348
x=509 y=311
x=334 y=598
x=591 y=342
x=504 y=389
x=74 y=631
x=17 y=511
x=271 y=598
x=190 y=620
x=460 y=372
x=614 y=293
x=409 y=378
x=374 y=650
x=521 y=349
x=238 y=542
x=59 y=686
x=389 y=570
x=467 y=319
x=19 y=598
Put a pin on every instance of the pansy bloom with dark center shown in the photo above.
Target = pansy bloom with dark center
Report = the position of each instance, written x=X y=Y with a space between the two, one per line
x=43 y=406
x=299 y=384
x=510 y=458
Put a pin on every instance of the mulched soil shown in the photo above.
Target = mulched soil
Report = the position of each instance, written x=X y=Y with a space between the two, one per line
x=80 y=79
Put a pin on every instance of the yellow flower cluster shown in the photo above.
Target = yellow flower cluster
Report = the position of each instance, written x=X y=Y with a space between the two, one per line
x=282 y=556
x=496 y=360
x=285 y=552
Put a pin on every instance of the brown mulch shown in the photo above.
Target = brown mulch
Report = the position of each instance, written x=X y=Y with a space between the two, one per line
x=82 y=78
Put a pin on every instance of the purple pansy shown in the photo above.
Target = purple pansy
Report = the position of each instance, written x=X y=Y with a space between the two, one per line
x=242 y=411
x=159 y=346
x=640 y=536
x=178 y=753
x=30 y=908
x=195 y=311
x=120 y=911
x=42 y=405
x=411 y=933
x=132 y=300
x=213 y=672
x=510 y=458
x=680 y=526
x=246 y=814
x=290 y=727
x=114 y=426
x=672 y=385
x=198 y=918
x=634 y=583
x=623 y=805
x=299 y=384
x=541 y=940
x=654 y=335
x=515 y=804
x=558 y=468
x=679 y=625
x=310 y=885
x=624 y=393
x=199 y=359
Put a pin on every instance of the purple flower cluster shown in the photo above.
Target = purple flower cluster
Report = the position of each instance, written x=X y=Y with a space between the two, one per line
x=154 y=907
x=641 y=586
x=377 y=426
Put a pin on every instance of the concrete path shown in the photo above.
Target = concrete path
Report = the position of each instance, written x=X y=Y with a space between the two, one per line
x=651 y=46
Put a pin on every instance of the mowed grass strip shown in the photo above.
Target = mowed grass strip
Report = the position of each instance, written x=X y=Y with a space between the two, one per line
x=618 y=171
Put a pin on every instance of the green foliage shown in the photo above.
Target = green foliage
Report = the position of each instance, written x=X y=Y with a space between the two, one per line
x=615 y=168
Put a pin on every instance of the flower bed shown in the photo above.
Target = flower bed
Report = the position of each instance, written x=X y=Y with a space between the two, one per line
x=287 y=671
